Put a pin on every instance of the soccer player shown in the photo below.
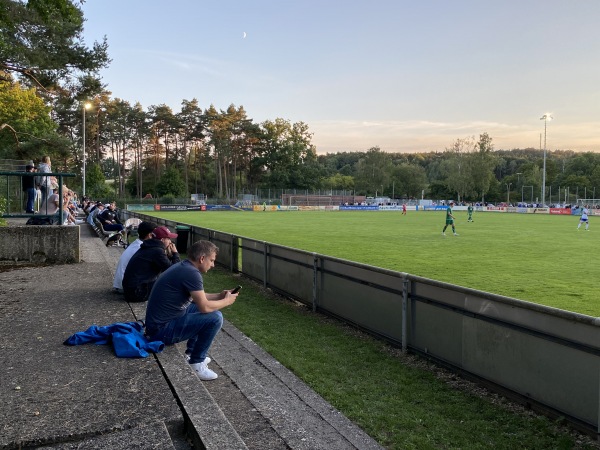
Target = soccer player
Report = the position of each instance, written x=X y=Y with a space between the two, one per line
x=470 y=212
x=449 y=220
x=403 y=209
x=584 y=219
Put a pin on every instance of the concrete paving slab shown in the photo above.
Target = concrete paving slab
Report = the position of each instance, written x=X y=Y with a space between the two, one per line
x=51 y=392
x=150 y=436
x=65 y=397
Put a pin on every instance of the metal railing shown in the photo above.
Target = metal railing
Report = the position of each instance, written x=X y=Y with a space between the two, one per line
x=544 y=357
x=11 y=185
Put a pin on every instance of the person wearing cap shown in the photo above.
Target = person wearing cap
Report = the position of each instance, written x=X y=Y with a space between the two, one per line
x=28 y=185
x=180 y=310
x=144 y=232
x=449 y=219
x=153 y=257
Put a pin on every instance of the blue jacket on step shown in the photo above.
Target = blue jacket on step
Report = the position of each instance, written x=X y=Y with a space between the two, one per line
x=127 y=338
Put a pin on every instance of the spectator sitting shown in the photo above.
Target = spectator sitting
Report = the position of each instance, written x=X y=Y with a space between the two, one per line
x=108 y=217
x=179 y=309
x=94 y=211
x=69 y=209
x=153 y=257
x=52 y=203
x=144 y=232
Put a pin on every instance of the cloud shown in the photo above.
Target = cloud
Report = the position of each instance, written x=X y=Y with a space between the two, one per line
x=425 y=136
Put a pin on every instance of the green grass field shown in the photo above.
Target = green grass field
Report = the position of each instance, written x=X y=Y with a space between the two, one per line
x=400 y=400
x=538 y=258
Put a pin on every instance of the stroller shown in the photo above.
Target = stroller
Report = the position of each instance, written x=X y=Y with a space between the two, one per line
x=131 y=229
x=115 y=238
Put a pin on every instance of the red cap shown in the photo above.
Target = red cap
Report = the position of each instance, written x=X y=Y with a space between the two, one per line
x=163 y=232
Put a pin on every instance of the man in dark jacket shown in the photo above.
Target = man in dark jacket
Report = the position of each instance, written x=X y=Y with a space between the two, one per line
x=154 y=257
x=29 y=188
x=109 y=219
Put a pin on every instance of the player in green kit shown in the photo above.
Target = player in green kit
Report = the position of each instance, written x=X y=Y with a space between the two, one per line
x=449 y=220
x=470 y=212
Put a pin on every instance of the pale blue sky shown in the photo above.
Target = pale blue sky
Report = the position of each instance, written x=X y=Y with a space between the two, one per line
x=402 y=75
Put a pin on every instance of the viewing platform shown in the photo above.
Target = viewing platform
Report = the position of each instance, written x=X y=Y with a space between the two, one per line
x=62 y=397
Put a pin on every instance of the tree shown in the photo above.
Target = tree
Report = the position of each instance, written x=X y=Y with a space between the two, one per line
x=409 y=180
x=373 y=171
x=41 y=41
x=28 y=117
x=95 y=181
x=456 y=167
x=482 y=165
x=171 y=183
x=339 y=182
x=288 y=155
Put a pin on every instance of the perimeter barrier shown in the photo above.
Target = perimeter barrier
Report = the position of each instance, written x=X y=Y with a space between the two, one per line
x=546 y=358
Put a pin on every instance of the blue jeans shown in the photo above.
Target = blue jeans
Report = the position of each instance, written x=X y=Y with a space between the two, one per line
x=199 y=329
x=30 y=200
x=113 y=227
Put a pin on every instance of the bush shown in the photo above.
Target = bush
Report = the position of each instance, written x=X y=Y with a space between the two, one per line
x=2 y=211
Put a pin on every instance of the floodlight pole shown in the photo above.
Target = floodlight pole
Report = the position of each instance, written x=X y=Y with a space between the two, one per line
x=508 y=185
x=545 y=118
x=85 y=106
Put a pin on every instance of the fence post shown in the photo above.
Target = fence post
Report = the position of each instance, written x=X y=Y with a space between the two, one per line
x=404 y=309
x=315 y=271
x=265 y=249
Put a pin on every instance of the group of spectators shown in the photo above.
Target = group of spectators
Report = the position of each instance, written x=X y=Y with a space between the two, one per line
x=178 y=309
x=43 y=191
x=105 y=213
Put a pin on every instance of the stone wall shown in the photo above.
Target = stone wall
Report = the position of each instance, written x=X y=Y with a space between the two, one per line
x=40 y=244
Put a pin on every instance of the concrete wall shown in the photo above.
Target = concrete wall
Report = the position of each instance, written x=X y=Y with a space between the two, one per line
x=39 y=244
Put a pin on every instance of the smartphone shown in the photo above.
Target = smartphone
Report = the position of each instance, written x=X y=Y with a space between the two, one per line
x=236 y=290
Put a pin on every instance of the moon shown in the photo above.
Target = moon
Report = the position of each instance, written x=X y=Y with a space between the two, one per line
x=244 y=36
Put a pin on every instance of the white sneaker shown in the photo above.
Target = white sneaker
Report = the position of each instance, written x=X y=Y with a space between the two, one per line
x=443 y=234
x=207 y=360
x=455 y=234
x=203 y=372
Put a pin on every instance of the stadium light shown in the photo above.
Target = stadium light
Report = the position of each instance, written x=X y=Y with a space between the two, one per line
x=86 y=105
x=545 y=118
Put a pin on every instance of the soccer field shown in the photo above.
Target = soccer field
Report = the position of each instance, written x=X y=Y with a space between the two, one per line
x=538 y=258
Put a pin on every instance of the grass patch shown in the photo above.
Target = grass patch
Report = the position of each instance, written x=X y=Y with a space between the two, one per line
x=538 y=258
x=401 y=401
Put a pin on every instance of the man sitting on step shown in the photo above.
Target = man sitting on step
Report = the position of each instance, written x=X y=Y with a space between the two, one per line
x=179 y=309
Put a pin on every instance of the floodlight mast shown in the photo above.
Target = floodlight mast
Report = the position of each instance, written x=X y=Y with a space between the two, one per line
x=546 y=117
x=86 y=105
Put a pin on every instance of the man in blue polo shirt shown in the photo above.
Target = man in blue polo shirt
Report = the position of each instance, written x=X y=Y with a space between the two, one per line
x=179 y=309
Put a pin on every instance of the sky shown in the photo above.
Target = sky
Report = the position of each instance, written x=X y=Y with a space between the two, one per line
x=404 y=76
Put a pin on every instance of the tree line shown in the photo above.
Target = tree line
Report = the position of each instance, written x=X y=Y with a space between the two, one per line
x=48 y=76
